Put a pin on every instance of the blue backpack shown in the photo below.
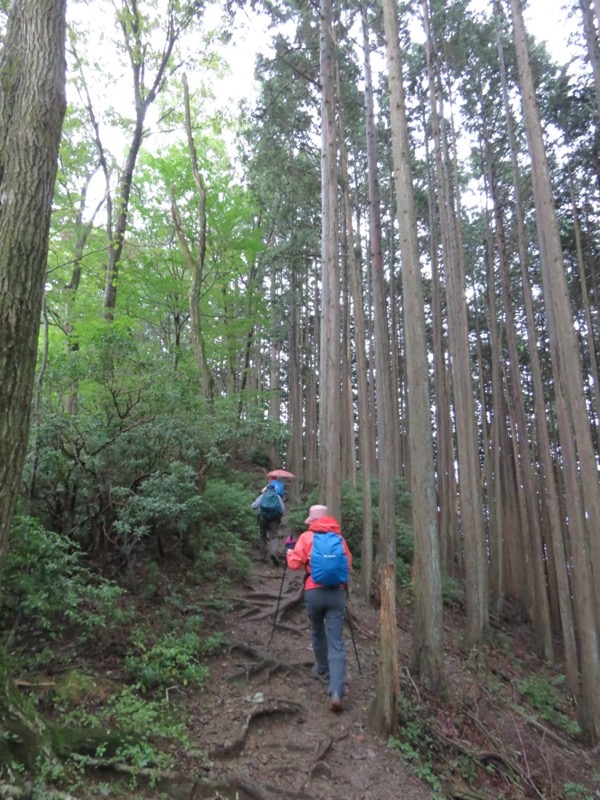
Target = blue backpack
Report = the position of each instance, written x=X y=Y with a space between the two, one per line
x=328 y=561
x=269 y=506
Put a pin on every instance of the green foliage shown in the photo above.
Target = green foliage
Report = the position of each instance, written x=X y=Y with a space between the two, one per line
x=46 y=584
x=415 y=743
x=130 y=728
x=174 y=659
x=543 y=695
x=575 y=791
x=227 y=507
x=452 y=591
x=148 y=723
x=124 y=467
x=166 y=501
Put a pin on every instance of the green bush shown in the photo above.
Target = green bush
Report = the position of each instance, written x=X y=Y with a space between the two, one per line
x=227 y=507
x=174 y=659
x=47 y=586
x=167 y=501
x=543 y=695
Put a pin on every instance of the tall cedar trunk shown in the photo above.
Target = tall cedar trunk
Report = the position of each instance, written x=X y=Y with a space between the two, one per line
x=329 y=366
x=596 y=4
x=313 y=338
x=294 y=460
x=274 y=355
x=458 y=335
x=348 y=443
x=370 y=339
x=591 y=40
x=428 y=628
x=549 y=488
x=494 y=483
x=446 y=481
x=578 y=458
x=397 y=377
x=384 y=709
x=533 y=547
x=32 y=107
x=364 y=423
x=585 y=301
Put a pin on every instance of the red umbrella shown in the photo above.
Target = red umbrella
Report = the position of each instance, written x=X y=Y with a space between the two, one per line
x=278 y=474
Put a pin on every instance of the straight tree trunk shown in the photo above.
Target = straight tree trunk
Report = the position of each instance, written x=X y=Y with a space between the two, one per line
x=364 y=421
x=593 y=49
x=550 y=493
x=313 y=339
x=348 y=443
x=446 y=479
x=294 y=460
x=329 y=367
x=585 y=301
x=384 y=708
x=533 y=549
x=428 y=628
x=476 y=588
x=32 y=107
x=578 y=458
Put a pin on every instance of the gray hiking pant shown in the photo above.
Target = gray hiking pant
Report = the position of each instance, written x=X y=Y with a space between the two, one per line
x=268 y=536
x=326 y=610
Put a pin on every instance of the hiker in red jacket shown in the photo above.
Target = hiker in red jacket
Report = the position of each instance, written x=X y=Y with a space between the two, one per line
x=325 y=602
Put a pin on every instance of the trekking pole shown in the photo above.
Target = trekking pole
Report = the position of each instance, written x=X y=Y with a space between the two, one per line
x=352 y=632
x=278 y=601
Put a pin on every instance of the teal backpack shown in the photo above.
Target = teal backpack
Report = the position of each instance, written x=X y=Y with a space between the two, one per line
x=269 y=507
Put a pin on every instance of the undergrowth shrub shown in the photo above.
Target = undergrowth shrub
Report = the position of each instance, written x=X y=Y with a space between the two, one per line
x=173 y=659
x=229 y=529
x=47 y=587
x=130 y=728
x=543 y=694
x=167 y=502
x=415 y=741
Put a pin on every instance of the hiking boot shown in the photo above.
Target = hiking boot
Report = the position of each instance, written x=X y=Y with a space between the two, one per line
x=320 y=676
x=275 y=560
x=335 y=702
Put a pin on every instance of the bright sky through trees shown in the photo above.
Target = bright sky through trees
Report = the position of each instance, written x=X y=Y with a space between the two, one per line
x=546 y=20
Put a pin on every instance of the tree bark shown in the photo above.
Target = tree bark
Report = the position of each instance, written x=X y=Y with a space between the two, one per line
x=428 y=628
x=32 y=107
x=471 y=511
x=329 y=366
x=578 y=458
x=364 y=422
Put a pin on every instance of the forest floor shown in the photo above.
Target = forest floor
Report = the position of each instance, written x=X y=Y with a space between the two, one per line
x=261 y=727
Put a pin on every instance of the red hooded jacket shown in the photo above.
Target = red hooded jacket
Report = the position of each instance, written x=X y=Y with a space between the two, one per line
x=300 y=556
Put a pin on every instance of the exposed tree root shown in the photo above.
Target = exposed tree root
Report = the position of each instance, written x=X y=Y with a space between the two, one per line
x=258 y=792
x=317 y=762
x=263 y=605
x=198 y=786
x=234 y=748
x=265 y=663
x=455 y=792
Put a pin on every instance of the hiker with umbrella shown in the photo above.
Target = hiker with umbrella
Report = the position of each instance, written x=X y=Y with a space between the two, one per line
x=271 y=509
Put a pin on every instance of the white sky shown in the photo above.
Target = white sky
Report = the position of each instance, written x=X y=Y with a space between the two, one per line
x=545 y=19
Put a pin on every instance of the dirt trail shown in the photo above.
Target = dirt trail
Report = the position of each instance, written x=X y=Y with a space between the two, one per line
x=266 y=721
